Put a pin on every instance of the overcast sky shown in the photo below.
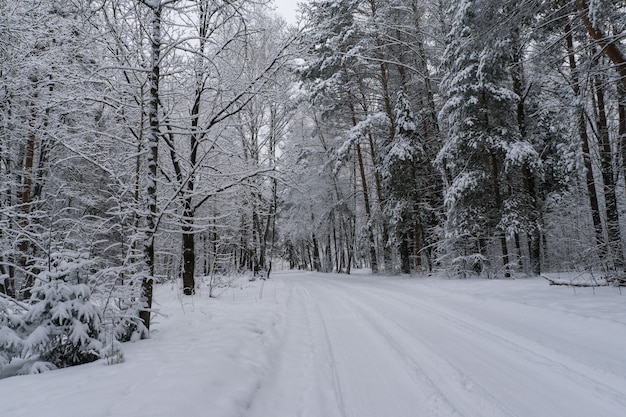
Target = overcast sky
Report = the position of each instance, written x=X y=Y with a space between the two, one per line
x=287 y=8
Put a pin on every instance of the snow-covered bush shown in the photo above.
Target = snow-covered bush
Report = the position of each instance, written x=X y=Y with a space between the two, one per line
x=77 y=313
x=127 y=326
x=59 y=327
x=119 y=290
x=472 y=264
x=62 y=327
x=112 y=352
x=69 y=266
x=10 y=341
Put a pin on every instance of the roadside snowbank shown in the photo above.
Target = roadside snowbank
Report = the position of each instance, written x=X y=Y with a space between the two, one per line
x=206 y=357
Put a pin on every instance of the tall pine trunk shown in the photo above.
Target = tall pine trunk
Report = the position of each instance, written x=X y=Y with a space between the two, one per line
x=366 y=198
x=530 y=182
x=495 y=171
x=621 y=119
x=584 y=141
x=608 y=177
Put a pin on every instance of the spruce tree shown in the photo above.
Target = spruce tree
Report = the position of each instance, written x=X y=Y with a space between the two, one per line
x=403 y=179
x=483 y=146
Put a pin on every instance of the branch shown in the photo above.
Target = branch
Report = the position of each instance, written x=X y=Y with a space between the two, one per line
x=14 y=301
x=610 y=48
x=231 y=185
x=225 y=112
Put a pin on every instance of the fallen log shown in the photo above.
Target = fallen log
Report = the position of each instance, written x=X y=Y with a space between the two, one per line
x=570 y=283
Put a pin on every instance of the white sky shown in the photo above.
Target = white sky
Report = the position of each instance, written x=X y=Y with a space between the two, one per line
x=287 y=9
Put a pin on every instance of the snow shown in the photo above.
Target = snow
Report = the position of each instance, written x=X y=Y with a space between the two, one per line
x=464 y=182
x=312 y=344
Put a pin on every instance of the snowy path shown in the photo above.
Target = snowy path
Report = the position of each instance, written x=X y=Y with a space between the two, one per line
x=327 y=345
x=374 y=348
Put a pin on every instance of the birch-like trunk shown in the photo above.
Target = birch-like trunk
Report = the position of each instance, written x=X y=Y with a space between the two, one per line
x=152 y=158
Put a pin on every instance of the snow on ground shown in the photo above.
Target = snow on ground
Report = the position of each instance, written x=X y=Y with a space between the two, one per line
x=325 y=345
x=206 y=358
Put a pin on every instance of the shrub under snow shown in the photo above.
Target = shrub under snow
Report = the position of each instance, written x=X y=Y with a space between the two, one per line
x=60 y=329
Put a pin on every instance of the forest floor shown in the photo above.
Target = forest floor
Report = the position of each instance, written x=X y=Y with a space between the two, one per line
x=326 y=345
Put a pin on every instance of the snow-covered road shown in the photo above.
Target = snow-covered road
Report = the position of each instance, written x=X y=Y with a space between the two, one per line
x=306 y=344
x=375 y=347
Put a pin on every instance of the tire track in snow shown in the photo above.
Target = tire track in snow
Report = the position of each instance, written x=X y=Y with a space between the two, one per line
x=564 y=334
x=504 y=346
x=373 y=381
x=557 y=360
x=454 y=387
x=339 y=397
x=302 y=370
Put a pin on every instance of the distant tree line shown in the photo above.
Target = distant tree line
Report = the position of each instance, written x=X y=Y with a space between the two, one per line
x=479 y=137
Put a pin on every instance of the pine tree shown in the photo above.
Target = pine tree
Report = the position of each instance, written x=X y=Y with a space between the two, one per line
x=483 y=144
x=403 y=180
x=335 y=75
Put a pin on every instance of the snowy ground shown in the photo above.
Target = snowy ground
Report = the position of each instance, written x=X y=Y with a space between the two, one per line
x=324 y=345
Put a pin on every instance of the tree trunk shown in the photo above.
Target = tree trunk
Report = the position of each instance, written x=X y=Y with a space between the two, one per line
x=189 y=260
x=26 y=191
x=424 y=221
x=370 y=233
x=27 y=175
x=417 y=232
x=316 y=263
x=381 y=203
x=608 y=177
x=518 y=250
x=530 y=183
x=534 y=236
x=152 y=160
x=366 y=199
x=386 y=96
x=188 y=238
x=333 y=236
x=621 y=119
x=405 y=254
x=584 y=140
x=498 y=201
x=611 y=48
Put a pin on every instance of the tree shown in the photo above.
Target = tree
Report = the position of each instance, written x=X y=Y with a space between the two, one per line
x=335 y=76
x=46 y=106
x=483 y=146
x=156 y=8
x=603 y=20
x=198 y=125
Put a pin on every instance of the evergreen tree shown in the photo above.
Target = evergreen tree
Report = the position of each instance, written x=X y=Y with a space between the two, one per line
x=404 y=180
x=336 y=75
x=483 y=146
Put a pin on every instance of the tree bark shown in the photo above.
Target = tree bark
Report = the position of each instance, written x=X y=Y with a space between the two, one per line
x=611 y=47
x=405 y=254
x=608 y=177
x=366 y=198
x=189 y=260
x=530 y=183
x=621 y=120
x=386 y=96
x=584 y=140
x=498 y=202
x=152 y=161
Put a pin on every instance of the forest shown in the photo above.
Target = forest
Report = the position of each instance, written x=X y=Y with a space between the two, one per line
x=151 y=141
